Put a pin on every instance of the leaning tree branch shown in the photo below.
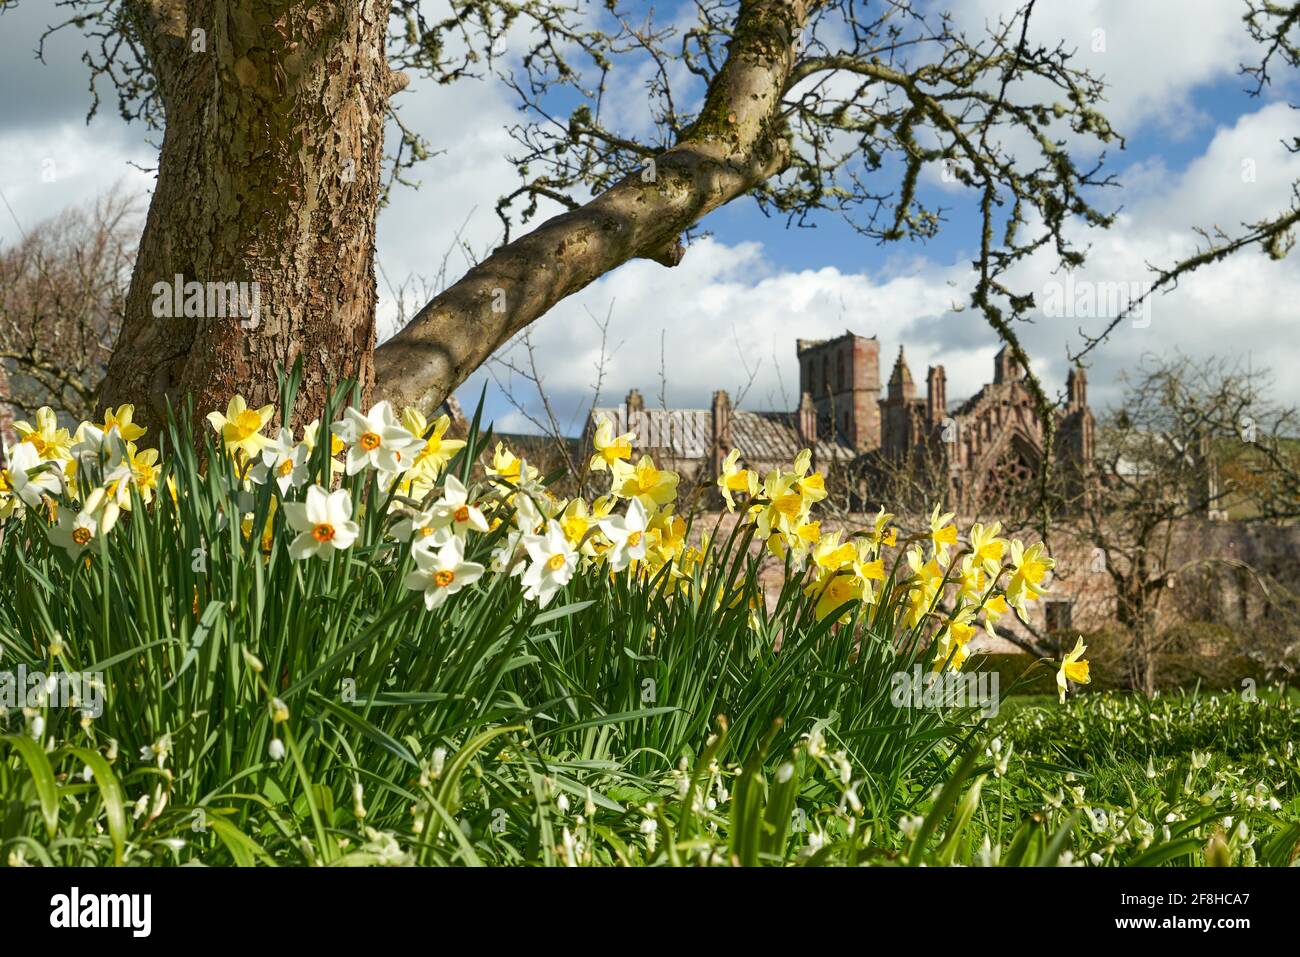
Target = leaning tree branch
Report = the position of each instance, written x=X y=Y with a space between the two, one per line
x=736 y=143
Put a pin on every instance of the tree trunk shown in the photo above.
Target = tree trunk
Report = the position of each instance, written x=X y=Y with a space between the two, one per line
x=269 y=175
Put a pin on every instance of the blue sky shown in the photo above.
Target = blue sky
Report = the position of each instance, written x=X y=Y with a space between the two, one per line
x=834 y=243
x=741 y=297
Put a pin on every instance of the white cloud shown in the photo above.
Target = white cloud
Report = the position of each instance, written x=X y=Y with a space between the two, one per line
x=44 y=170
x=1152 y=56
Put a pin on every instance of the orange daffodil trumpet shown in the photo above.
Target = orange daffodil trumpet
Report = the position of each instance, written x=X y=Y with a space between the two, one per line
x=449 y=532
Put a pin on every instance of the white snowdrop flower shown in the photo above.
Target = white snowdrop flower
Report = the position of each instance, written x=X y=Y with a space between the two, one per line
x=276 y=749
x=323 y=523
x=988 y=855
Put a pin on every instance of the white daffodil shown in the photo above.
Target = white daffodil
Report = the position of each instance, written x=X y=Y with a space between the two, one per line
x=627 y=533
x=453 y=510
x=423 y=526
x=506 y=559
x=376 y=440
x=528 y=517
x=30 y=487
x=75 y=532
x=323 y=523
x=441 y=572
x=284 y=461
x=92 y=444
x=553 y=562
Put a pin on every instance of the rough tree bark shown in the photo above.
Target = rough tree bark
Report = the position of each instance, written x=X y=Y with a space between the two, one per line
x=269 y=173
x=252 y=186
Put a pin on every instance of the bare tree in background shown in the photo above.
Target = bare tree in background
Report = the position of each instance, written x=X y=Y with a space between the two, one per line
x=62 y=295
x=1190 y=441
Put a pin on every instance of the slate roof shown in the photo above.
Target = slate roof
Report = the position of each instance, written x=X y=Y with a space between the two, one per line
x=688 y=433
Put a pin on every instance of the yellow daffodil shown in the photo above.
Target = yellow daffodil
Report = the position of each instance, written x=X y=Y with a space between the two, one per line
x=667 y=538
x=832 y=591
x=994 y=609
x=831 y=556
x=881 y=533
x=120 y=420
x=51 y=442
x=577 y=520
x=736 y=479
x=986 y=548
x=866 y=567
x=610 y=448
x=8 y=500
x=1030 y=565
x=509 y=468
x=312 y=431
x=241 y=427
x=652 y=486
x=972 y=582
x=927 y=579
x=139 y=469
x=951 y=648
x=812 y=487
x=942 y=534
x=1073 y=668
x=437 y=451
